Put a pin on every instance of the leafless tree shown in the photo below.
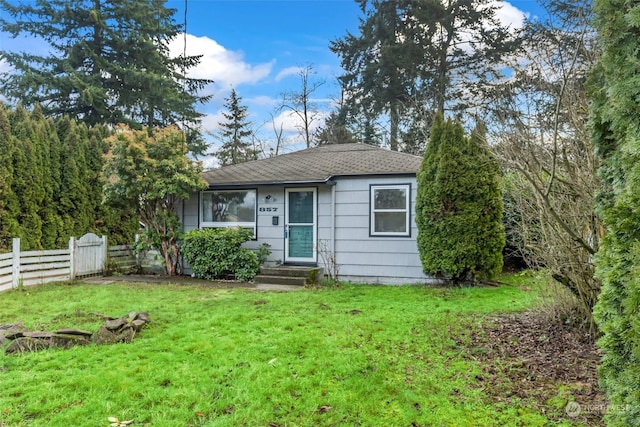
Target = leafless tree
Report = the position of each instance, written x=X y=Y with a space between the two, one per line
x=301 y=104
x=550 y=166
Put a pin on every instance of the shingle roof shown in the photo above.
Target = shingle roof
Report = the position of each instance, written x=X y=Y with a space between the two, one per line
x=316 y=165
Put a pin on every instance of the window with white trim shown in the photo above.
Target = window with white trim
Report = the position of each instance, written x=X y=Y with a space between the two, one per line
x=390 y=210
x=228 y=208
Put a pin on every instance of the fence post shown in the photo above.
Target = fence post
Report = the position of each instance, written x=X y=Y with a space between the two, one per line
x=15 y=270
x=137 y=252
x=72 y=258
x=105 y=253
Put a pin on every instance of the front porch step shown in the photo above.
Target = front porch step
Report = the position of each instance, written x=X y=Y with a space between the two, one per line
x=289 y=275
x=280 y=280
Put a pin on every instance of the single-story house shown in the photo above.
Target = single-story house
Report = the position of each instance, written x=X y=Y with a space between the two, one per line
x=354 y=202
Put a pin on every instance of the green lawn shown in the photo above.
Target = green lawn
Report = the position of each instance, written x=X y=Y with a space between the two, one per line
x=356 y=356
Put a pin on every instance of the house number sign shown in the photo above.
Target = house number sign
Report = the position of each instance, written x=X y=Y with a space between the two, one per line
x=267 y=209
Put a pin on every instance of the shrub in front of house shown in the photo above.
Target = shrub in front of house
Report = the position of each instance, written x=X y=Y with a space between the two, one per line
x=217 y=253
x=459 y=205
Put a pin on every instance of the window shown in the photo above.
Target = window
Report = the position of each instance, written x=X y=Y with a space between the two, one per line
x=390 y=210
x=228 y=208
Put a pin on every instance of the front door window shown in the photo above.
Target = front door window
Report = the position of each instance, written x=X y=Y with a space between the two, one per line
x=300 y=236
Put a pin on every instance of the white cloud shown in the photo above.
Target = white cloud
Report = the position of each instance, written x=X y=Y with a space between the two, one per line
x=4 y=67
x=509 y=15
x=262 y=101
x=289 y=71
x=287 y=121
x=225 y=67
x=210 y=121
x=291 y=122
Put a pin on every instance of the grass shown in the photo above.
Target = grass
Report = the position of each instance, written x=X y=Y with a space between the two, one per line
x=356 y=355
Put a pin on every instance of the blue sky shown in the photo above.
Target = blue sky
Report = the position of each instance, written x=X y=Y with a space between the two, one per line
x=257 y=46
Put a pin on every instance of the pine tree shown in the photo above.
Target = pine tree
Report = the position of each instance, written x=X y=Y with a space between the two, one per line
x=616 y=131
x=379 y=69
x=109 y=63
x=459 y=206
x=234 y=133
x=414 y=55
x=334 y=131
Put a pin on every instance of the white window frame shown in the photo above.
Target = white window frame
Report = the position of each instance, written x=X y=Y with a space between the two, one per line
x=373 y=210
x=230 y=224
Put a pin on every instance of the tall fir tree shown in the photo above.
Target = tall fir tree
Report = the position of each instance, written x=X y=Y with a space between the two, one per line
x=459 y=206
x=380 y=69
x=416 y=56
x=334 y=131
x=616 y=132
x=235 y=133
x=109 y=63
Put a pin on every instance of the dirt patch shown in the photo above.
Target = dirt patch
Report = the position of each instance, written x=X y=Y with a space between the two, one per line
x=551 y=366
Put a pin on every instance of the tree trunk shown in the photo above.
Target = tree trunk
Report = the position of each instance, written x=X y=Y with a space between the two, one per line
x=393 y=128
x=169 y=266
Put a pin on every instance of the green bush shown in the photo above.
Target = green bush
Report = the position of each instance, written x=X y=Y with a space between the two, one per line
x=217 y=253
x=615 y=126
x=459 y=205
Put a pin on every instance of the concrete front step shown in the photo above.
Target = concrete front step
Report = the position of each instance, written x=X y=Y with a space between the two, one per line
x=289 y=275
x=280 y=280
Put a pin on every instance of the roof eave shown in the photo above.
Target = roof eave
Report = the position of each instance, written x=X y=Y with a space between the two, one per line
x=266 y=183
x=315 y=181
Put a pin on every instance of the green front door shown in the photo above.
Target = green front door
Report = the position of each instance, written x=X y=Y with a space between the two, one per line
x=300 y=226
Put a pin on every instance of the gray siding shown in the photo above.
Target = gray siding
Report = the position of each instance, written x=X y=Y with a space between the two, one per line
x=190 y=213
x=361 y=258
x=392 y=260
x=267 y=232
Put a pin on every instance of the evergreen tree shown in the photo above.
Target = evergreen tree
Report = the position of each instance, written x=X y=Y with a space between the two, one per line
x=459 y=205
x=51 y=183
x=616 y=131
x=9 y=205
x=46 y=143
x=379 y=70
x=234 y=133
x=414 y=55
x=109 y=63
x=74 y=206
x=27 y=182
x=334 y=131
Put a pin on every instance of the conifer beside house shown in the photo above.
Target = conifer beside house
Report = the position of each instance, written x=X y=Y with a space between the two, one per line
x=459 y=205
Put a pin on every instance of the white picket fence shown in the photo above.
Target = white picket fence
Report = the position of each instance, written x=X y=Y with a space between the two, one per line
x=84 y=257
